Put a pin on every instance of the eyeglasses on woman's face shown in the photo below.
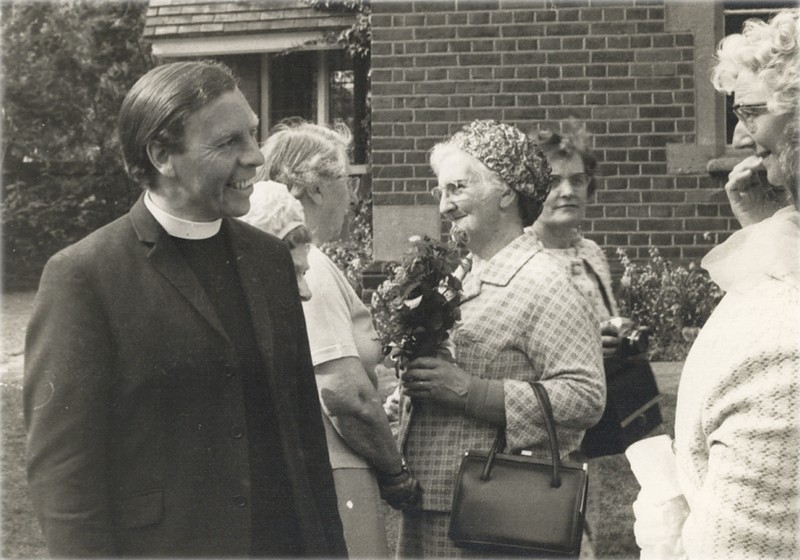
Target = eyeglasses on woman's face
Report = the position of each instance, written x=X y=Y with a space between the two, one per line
x=452 y=189
x=748 y=113
x=579 y=181
x=353 y=183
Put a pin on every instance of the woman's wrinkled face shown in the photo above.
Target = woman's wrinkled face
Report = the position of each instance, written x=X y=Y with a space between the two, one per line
x=565 y=206
x=758 y=128
x=470 y=203
x=300 y=259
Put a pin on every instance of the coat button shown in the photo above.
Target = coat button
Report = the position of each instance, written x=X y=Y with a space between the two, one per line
x=229 y=371
x=237 y=432
x=239 y=500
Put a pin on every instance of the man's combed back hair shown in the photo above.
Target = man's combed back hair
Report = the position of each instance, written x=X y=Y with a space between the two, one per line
x=158 y=105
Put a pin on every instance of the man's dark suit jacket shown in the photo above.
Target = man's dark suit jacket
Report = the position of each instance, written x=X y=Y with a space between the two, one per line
x=134 y=410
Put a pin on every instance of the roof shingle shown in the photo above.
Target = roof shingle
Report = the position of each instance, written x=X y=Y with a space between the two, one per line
x=184 y=18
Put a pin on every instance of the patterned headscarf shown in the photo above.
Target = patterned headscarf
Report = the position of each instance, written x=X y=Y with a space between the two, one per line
x=506 y=150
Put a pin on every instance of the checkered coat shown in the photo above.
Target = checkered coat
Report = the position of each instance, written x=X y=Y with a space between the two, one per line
x=523 y=320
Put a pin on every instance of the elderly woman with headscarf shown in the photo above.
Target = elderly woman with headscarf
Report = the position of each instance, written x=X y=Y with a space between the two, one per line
x=737 y=421
x=309 y=163
x=523 y=320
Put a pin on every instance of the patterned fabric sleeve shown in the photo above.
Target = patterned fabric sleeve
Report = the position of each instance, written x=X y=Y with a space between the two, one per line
x=566 y=343
x=747 y=503
x=737 y=425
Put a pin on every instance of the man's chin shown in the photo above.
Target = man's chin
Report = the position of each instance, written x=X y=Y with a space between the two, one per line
x=237 y=210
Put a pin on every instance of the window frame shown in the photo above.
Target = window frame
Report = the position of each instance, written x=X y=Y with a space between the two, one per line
x=264 y=46
x=710 y=153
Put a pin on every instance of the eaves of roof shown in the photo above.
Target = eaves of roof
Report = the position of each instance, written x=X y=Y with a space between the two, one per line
x=198 y=18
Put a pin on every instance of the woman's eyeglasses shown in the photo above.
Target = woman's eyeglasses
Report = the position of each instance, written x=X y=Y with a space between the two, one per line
x=452 y=189
x=353 y=182
x=578 y=181
x=747 y=114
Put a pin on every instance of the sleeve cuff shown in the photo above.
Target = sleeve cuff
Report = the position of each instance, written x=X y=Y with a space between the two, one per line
x=484 y=395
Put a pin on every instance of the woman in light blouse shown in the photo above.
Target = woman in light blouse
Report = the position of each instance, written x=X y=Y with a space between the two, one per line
x=572 y=184
x=309 y=163
x=523 y=320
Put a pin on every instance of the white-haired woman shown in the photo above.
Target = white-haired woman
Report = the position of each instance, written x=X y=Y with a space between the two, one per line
x=311 y=161
x=737 y=421
x=759 y=67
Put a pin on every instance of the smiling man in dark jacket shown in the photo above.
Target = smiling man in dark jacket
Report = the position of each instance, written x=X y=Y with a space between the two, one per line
x=169 y=394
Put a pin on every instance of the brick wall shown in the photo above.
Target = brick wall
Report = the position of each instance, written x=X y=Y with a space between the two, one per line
x=438 y=65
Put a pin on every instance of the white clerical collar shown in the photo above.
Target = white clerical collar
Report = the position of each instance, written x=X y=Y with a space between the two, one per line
x=178 y=227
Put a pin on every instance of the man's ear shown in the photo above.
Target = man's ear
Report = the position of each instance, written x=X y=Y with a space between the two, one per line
x=161 y=158
x=314 y=192
x=508 y=197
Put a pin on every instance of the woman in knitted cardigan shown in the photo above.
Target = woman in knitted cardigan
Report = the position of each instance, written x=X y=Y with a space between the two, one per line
x=737 y=427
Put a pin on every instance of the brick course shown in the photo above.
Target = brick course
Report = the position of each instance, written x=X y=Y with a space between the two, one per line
x=612 y=64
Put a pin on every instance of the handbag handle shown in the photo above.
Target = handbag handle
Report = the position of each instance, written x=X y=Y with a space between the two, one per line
x=547 y=411
x=549 y=423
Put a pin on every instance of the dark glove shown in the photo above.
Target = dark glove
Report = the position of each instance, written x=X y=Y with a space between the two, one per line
x=401 y=491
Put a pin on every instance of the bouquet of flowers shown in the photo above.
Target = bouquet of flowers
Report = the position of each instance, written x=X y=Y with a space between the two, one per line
x=417 y=305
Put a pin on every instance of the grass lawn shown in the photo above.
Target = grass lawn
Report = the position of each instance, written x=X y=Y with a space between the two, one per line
x=612 y=490
x=612 y=485
x=20 y=530
x=21 y=535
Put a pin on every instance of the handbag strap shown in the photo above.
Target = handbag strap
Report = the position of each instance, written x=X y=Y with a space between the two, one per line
x=547 y=412
x=549 y=423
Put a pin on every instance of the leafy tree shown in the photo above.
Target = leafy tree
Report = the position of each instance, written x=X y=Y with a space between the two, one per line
x=357 y=39
x=66 y=67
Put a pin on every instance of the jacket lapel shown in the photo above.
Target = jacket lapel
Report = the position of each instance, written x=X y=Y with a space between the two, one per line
x=165 y=257
x=256 y=280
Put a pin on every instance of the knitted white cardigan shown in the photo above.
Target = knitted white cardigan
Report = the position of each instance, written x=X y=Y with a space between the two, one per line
x=737 y=426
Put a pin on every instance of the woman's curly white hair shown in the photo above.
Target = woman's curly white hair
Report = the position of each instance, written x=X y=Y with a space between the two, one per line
x=768 y=50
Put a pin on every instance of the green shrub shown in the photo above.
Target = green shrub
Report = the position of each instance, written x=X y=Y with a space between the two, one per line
x=67 y=66
x=674 y=301
x=41 y=218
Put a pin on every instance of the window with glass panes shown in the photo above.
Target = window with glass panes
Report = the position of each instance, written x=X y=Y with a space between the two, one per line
x=318 y=86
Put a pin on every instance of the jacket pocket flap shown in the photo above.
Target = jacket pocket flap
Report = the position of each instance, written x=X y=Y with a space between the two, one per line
x=141 y=510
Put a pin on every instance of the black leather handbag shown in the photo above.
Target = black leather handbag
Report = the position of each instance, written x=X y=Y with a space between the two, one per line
x=632 y=410
x=517 y=505
x=632 y=406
